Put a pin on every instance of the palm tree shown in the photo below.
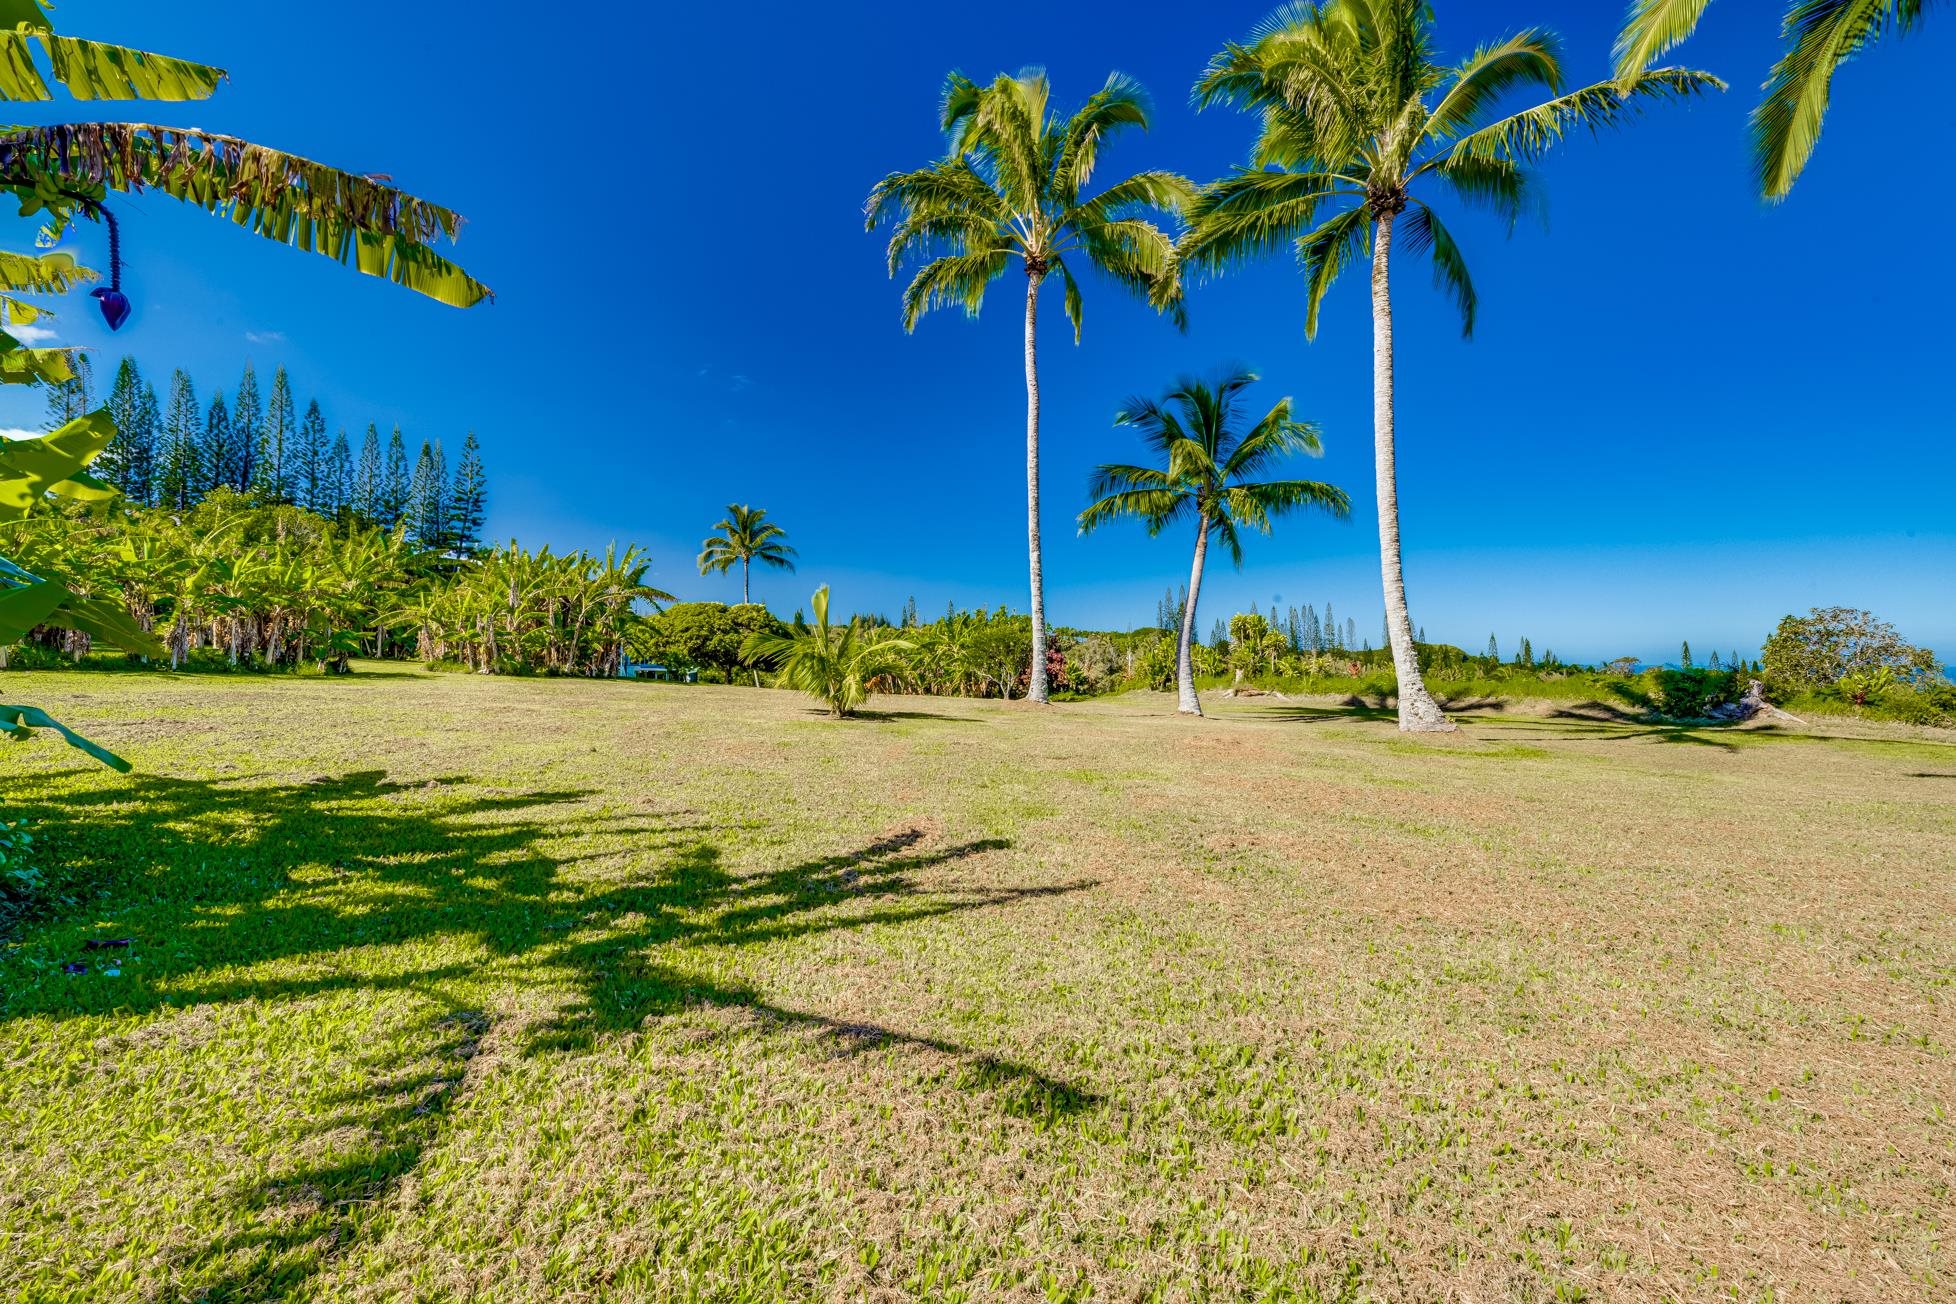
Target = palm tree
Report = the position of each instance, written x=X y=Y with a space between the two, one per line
x=1820 y=36
x=1209 y=465
x=1357 y=114
x=831 y=663
x=746 y=536
x=1011 y=189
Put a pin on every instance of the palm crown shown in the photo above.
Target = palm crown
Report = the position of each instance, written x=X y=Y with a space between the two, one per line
x=1357 y=112
x=1011 y=188
x=745 y=536
x=1210 y=464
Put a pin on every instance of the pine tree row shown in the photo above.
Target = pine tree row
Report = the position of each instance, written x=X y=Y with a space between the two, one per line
x=171 y=456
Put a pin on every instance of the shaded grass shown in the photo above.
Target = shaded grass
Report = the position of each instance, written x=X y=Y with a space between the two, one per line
x=535 y=989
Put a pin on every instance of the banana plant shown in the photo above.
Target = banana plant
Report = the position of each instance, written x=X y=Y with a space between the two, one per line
x=63 y=173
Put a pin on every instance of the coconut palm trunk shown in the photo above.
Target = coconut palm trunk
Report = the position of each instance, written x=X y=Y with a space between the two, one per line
x=746 y=580
x=1037 y=690
x=1190 y=704
x=1417 y=709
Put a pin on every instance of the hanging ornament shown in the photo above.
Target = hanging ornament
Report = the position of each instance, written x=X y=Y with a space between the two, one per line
x=113 y=302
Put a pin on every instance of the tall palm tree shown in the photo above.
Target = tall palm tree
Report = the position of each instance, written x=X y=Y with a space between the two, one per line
x=746 y=536
x=1010 y=189
x=1820 y=36
x=1208 y=474
x=1357 y=113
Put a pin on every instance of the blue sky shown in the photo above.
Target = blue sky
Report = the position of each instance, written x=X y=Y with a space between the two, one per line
x=1684 y=413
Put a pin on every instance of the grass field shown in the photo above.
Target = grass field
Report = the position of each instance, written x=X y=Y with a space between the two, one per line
x=445 y=988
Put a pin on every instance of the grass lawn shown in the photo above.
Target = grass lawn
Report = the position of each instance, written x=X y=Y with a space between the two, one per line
x=444 y=987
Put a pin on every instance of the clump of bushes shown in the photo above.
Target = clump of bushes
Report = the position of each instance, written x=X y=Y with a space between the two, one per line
x=1838 y=658
x=1693 y=694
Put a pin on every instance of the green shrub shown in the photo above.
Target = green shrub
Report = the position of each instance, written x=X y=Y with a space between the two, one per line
x=1692 y=694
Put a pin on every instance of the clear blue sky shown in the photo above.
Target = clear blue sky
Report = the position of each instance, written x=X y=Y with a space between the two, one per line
x=1684 y=413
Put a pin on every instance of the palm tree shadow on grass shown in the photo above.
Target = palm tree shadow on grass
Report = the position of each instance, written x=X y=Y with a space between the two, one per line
x=216 y=880
x=1599 y=722
x=1371 y=706
x=891 y=717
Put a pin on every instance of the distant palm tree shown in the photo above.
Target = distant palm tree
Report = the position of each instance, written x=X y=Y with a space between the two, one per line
x=832 y=663
x=1355 y=113
x=1010 y=190
x=746 y=537
x=1820 y=36
x=1209 y=463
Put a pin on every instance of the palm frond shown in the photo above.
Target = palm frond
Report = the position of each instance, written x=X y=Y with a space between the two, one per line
x=1131 y=196
x=1325 y=253
x=1155 y=508
x=1821 y=35
x=1272 y=439
x=1528 y=58
x=1232 y=541
x=1653 y=29
x=1254 y=503
x=1524 y=137
x=1499 y=184
x=1122 y=102
x=959 y=279
x=1425 y=234
x=1252 y=213
x=947 y=188
x=1071 y=301
x=1140 y=257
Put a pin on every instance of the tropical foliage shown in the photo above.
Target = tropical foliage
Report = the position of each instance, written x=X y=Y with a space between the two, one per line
x=1207 y=477
x=245 y=585
x=1819 y=36
x=745 y=536
x=835 y=664
x=701 y=636
x=1359 y=119
x=1012 y=190
x=63 y=174
x=31 y=594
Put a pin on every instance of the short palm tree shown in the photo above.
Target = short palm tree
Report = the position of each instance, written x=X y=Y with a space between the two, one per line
x=1820 y=36
x=1357 y=115
x=1011 y=190
x=832 y=663
x=1207 y=476
x=746 y=536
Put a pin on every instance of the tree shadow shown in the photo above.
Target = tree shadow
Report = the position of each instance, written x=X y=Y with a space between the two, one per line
x=1373 y=706
x=1600 y=722
x=219 y=881
x=889 y=717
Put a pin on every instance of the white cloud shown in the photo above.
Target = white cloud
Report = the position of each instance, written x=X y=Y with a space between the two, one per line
x=30 y=334
x=265 y=337
x=14 y=432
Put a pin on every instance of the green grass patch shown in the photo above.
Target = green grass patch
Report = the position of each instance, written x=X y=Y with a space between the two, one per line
x=448 y=987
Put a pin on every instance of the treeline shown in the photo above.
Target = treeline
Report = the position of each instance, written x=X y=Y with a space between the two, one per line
x=233 y=582
x=175 y=454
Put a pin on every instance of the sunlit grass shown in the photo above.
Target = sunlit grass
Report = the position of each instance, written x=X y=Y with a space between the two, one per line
x=449 y=987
